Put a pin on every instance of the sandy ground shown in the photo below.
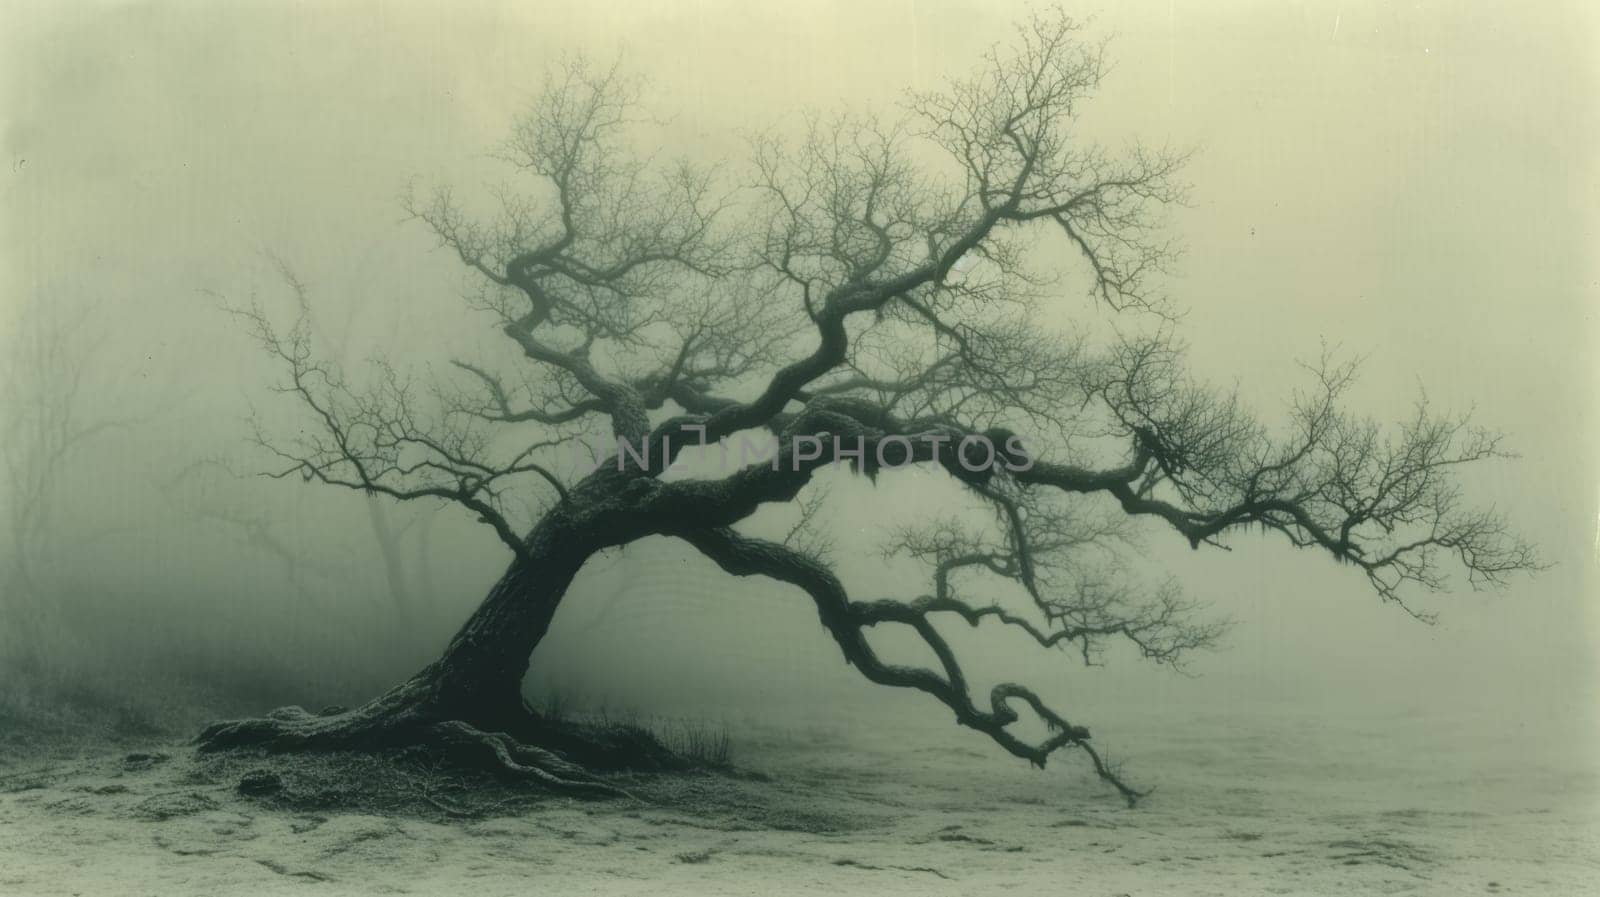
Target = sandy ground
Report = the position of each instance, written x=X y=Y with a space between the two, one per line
x=1246 y=803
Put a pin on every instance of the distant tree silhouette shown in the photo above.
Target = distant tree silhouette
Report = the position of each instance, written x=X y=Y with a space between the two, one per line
x=46 y=422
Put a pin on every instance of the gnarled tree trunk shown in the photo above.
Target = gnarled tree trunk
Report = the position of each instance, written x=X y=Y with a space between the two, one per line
x=469 y=700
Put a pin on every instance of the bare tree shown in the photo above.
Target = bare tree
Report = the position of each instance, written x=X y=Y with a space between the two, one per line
x=45 y=423
x=192 y=490
x=878 y=287
x=407 y=571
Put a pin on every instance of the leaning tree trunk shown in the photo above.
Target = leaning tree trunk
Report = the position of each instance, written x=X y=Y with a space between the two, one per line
x=481 y=671
x=469 y=701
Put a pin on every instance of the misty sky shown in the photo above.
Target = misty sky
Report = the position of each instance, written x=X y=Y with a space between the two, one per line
x=1415 y=183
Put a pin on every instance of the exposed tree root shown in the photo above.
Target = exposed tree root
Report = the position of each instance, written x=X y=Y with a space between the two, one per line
x=510 y=757
x=555 y=757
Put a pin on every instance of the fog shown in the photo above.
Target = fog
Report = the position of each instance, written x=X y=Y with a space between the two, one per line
x=1413 y=184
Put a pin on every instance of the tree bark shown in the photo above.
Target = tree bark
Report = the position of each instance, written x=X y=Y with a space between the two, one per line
x=469 y=701
x=480 y=672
